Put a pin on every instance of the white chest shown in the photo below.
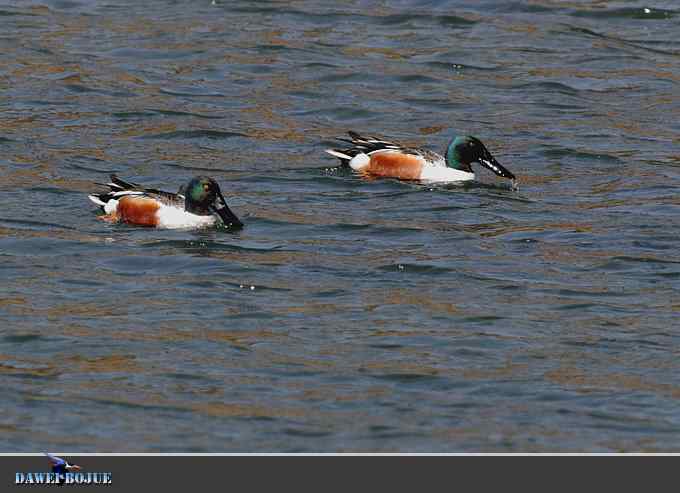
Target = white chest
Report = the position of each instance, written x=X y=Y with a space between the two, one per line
x=172 y=217
x=444 y=174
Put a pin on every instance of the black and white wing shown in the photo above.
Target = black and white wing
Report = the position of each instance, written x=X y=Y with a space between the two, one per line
x=370 y=144
x=120 y=188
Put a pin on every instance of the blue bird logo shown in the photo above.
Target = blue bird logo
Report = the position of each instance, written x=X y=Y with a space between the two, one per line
x=61 y=466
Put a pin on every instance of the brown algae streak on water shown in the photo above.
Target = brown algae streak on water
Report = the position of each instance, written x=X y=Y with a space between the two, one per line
x=589 y=382
x=428 y=302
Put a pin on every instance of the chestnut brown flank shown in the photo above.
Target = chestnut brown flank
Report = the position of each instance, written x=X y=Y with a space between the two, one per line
x=395 y=165
x=138 y=210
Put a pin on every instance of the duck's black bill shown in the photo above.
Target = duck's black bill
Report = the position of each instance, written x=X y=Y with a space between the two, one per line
x=489 y=162
x=228 y=218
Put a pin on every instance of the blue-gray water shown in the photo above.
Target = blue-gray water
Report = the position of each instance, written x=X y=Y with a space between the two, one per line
x=348 y=315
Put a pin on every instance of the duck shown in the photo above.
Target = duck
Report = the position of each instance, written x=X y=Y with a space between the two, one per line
x=61 y=466
x=375 y=156
x=199 y=203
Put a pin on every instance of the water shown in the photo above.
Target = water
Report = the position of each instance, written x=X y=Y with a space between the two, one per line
x=348 y=315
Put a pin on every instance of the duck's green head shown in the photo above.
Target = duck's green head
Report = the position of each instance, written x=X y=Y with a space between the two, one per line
x=204 y=197
x=465 y=150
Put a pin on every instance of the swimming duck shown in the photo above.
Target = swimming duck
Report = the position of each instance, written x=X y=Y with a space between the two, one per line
x=199 y=203
x=61 y=466
x=378 y=157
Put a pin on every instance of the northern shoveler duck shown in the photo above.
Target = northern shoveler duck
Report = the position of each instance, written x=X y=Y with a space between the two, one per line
x=378 y=157
x=199 y=203
x=61 y=466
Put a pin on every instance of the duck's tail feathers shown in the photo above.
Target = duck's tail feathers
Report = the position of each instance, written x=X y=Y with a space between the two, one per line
x=339 y=154
x=345 y=156
x=98 y=199
x=354 y=158
x=117 y=189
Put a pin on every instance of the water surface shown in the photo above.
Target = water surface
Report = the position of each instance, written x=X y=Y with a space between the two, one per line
x=348 y=315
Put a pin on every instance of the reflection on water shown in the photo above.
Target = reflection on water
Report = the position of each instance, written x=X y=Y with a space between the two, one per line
x=349 y=314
